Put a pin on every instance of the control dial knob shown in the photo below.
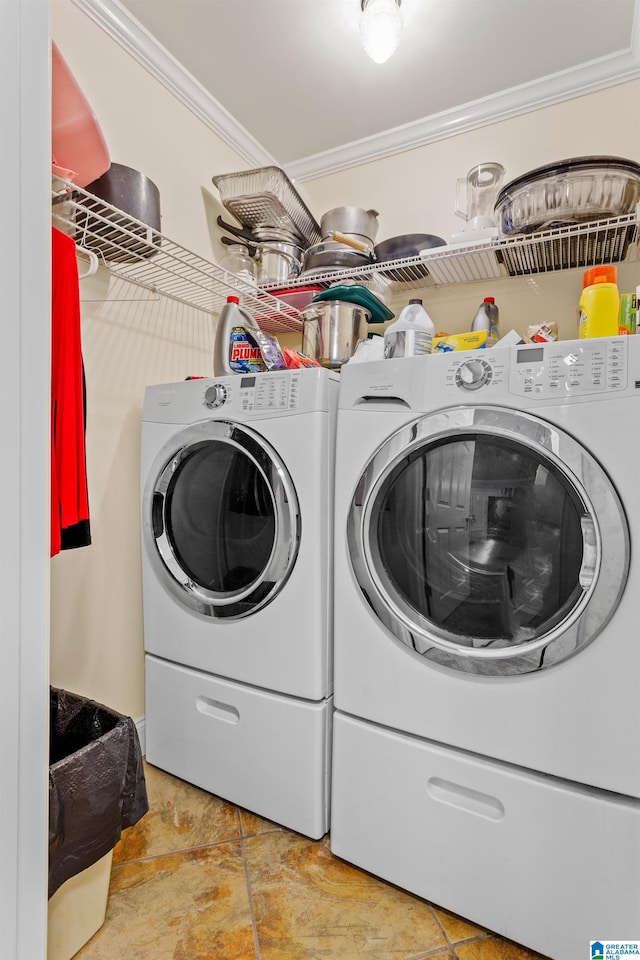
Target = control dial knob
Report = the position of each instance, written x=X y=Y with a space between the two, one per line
x=473 y=374
x=215 y=395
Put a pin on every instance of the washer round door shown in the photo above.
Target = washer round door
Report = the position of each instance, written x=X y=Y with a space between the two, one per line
x=221 y=520
x=488 y=541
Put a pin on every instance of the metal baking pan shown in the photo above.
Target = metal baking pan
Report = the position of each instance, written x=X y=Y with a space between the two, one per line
x=569 y=192
x=266 y=198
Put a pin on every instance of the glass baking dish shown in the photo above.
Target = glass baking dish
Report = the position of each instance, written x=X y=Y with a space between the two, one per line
x=569 y=192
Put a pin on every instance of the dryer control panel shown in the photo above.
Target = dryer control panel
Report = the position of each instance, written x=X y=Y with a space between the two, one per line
x=252 y=393
x=260 y=396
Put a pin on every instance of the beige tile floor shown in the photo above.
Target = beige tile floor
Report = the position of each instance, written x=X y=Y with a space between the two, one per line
x=201 y=879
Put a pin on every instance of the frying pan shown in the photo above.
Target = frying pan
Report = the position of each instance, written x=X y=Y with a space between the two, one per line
x=232 y=241
x=406 y=245
x=242 y=232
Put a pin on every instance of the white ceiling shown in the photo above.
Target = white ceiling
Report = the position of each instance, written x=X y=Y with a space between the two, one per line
x=287 y=81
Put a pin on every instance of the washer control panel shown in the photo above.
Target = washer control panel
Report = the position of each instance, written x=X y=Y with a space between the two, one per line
x=576 y=368
x=543 y=371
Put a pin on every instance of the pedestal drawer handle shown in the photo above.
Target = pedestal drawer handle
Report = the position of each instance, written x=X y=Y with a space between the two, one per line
x=217 y=709
x=456 y=795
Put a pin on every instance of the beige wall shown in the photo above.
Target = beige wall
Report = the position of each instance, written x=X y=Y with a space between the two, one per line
x=131 y=339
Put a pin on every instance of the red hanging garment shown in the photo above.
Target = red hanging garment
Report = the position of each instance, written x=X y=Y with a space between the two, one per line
x=69 y=498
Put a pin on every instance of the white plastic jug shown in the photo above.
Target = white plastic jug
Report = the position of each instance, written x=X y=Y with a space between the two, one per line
x=411 y=335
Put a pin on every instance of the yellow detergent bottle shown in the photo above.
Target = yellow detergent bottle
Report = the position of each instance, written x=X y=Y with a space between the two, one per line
x=599 y=303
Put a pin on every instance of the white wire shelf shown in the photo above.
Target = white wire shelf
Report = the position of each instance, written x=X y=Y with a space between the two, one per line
x=563 y=248
x=135 y=252
x=132 y=250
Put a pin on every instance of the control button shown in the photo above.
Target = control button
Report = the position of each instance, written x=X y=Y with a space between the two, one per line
x=473 y=374
x=215 y=396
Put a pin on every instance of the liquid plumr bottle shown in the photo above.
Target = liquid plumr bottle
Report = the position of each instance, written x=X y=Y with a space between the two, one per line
x=232 y=318
x=411 y=335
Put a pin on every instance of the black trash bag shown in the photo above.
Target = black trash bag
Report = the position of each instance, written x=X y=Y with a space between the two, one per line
x=96 y=783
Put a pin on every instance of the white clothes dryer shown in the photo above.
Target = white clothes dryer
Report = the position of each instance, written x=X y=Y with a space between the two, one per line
x=237 y=505
x=487 y=660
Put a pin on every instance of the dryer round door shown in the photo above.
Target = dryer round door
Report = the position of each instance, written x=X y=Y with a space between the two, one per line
x=488 y=541
x=221 y=520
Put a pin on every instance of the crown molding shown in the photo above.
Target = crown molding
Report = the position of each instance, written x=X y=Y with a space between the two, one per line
x=598 y=74
x=136 y=40
x=556 y=88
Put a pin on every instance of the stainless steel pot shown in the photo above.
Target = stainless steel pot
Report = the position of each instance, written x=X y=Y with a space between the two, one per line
x=352 y=221
x=331 y=331
x=278 y=262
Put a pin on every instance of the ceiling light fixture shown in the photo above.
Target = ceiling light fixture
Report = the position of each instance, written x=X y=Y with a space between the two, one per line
x=380 y=27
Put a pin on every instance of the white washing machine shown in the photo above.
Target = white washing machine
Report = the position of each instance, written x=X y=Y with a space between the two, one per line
x=487 y=650
x=237 y=504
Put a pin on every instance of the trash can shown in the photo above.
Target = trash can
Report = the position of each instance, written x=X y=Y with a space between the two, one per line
x=96 y=789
